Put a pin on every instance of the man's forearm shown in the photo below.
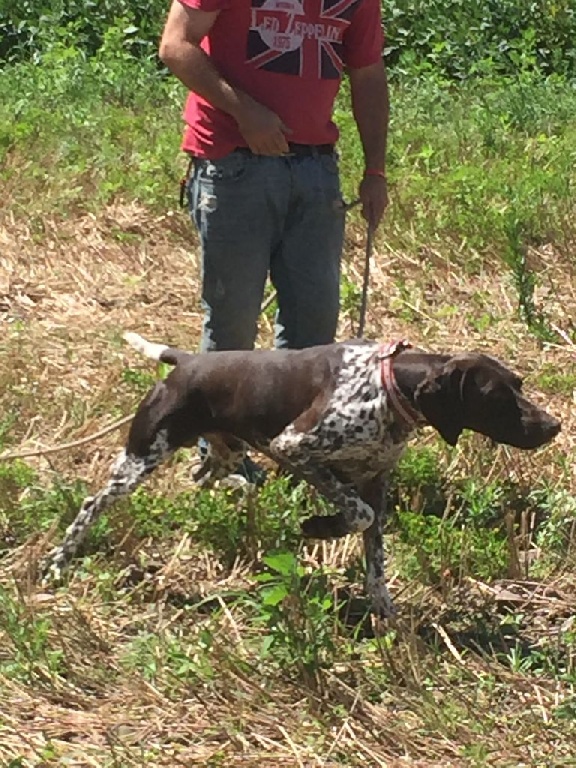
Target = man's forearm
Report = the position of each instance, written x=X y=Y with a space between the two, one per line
x=371 y=109
x=262 y=129
x=194 y=68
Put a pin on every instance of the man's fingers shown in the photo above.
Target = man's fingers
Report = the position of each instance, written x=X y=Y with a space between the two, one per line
x=269 y=145
x=373 y=193
x=263 y=130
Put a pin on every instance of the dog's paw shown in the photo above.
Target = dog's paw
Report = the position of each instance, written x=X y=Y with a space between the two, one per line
x=382 y=605
x=322 y=527
x=387 y=611
x=234 y=482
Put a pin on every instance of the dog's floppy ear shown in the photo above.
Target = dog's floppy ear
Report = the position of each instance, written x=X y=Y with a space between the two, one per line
x=439 y=400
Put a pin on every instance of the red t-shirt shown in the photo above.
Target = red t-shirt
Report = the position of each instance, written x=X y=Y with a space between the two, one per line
x=289 y=56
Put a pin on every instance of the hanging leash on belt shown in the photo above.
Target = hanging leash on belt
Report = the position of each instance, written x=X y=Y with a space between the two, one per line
x=183 y=187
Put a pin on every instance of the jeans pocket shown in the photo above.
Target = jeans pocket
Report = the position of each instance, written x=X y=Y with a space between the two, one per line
x=330 y=181
x=330 y=163
x=223 y=196
x=226 y=170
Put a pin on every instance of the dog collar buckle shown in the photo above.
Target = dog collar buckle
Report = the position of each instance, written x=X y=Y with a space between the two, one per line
x=393 y=348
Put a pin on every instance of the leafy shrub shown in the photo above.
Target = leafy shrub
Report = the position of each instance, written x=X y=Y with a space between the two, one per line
x=455 y=38
x=459 y=38
x=27 y=27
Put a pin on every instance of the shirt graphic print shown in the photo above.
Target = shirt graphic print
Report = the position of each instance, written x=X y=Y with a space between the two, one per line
x=287 y=38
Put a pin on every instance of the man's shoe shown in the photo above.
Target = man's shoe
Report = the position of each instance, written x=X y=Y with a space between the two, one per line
x=252 y=471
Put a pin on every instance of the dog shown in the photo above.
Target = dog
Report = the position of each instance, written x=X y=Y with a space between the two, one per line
x=337 y=416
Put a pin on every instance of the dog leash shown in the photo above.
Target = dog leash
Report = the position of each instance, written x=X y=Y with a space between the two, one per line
x=117 y=424
x=366 y=275
x=65 y=446
x=365 y=281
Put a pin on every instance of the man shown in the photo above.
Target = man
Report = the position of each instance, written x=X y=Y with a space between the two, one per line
x=264 y=193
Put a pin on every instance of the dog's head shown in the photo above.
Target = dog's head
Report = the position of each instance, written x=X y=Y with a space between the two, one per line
x=477 y=392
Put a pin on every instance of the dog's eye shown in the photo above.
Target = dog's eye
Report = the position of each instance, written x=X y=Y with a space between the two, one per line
x=502 y=394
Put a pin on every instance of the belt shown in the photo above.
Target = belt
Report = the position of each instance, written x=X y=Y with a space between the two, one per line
x=309 y=150
x=299 y=150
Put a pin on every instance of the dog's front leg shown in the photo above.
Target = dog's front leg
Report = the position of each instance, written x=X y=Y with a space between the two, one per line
x=304 y=452
x=373 y=492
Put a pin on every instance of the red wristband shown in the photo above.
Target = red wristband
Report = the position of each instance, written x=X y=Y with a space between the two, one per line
x=375 y=172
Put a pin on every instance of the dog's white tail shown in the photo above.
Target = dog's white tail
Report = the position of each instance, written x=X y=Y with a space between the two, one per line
x=146 y=348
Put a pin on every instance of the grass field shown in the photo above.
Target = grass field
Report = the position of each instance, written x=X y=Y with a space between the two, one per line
x=197 y=629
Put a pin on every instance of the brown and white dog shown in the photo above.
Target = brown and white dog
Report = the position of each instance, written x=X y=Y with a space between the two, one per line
x=338 y=416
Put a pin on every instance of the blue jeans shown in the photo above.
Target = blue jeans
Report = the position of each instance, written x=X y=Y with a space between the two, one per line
x=260 y=216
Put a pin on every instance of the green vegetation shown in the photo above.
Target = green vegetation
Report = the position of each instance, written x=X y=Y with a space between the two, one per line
x=486 y=166
x=459 y=40
x=196 y=628
x=481 y=37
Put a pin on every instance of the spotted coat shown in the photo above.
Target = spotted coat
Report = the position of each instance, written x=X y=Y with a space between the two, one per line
x=358 y=439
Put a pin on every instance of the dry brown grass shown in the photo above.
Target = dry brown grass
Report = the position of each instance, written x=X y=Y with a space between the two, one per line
x=66 y=294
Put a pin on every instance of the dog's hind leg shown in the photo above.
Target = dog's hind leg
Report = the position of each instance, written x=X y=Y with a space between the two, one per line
x=128 y=471
x=224 y=454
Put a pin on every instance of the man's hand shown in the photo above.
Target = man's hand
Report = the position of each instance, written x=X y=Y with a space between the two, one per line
x=373 y=194
x=263 y=130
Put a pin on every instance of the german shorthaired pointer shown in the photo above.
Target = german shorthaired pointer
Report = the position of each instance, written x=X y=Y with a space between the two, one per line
x=338 y=416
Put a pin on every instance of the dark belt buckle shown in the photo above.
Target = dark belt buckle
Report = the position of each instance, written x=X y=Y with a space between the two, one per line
x=299 y=150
